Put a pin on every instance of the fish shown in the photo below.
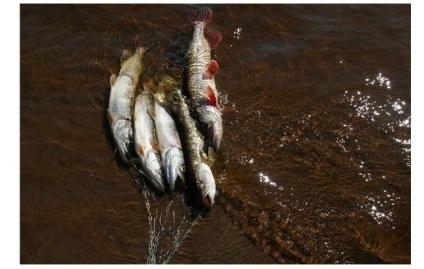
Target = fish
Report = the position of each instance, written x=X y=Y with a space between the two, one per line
x=194 y=144
x=121 y=103
x=169 y=142
x=145 y=141
x=201 y=72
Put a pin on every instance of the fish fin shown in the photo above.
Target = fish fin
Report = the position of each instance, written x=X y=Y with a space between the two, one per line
x=151 y=112
x=180 y=174
x=140 y=50
x=211 y=96
x=126 y=54
x=212 y=70
x=214 y=38
x=155 y=145
x=147 y=88
x=109 y=116
x=203 y=15
x=142 y=172
x=140 y=148
x=211 y=154
x=135 y=117
x=112 y=80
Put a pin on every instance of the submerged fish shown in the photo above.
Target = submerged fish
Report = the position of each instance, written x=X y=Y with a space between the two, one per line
x=201 y=72
x=168 y=141
x=194 y=142
x=145 y=140
x=121 y=102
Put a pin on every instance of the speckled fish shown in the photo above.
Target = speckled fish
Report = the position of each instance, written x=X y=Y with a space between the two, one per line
x=168 y=141
x=146 y=145
x=121 y=102
x=201 y=72
x=194 y=142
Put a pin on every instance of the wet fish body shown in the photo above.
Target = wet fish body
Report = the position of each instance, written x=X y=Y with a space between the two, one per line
x=121 y=102
x=168 y=141
x=201 y=72
x=194 y=142
x=146 y=145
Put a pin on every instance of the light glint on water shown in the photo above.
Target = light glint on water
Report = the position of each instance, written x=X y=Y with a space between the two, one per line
x=237 y=33
x=265 y=179
x=368 y=108
x=376 y=206
x=382 y=81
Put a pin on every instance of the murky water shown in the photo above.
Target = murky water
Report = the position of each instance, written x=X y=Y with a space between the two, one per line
x=317 y=131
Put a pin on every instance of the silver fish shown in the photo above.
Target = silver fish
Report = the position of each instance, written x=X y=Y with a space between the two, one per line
x=121 y=102
x=146 y=145
x=201 y=72
x=194 y=142
x=168 y=141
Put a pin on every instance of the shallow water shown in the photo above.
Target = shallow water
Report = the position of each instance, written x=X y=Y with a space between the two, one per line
x=316 y=131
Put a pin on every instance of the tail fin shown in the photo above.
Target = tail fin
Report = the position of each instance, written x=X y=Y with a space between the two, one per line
x=203 y=15
x=126 y=54
x=140 y=50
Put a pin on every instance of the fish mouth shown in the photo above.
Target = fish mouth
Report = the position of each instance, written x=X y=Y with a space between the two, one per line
x=153 y=170
x=211 y=121
x=174 y=166
x=123 y=147
x=206 y=183
x=122 y=135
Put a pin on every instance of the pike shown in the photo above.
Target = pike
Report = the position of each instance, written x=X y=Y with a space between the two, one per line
x=146 y=145
x=198 y=166
x=121 y=102
x=201 y=72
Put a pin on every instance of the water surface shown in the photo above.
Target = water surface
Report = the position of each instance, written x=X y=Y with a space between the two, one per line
x=317 y=133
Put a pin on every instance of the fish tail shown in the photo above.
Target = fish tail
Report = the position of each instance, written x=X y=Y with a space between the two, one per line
x=126 y=54
x=140 y=50
x=199 y=15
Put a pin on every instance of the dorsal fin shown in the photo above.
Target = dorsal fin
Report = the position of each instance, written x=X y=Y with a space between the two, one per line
x=211 y=96
x=112 y=80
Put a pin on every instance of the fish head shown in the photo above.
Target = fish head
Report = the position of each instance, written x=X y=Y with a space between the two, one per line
x=210 y=117
x=174 y=166
x=206 y=183
x=175 y=98
x=122 y=134
x=153 y=169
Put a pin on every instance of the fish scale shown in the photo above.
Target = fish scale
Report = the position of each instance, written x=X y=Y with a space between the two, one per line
x=201 y=72
x=121 y=102
x=146 y=141
x=198 y=160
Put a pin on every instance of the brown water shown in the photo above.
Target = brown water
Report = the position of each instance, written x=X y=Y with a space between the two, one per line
x=317 y=137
